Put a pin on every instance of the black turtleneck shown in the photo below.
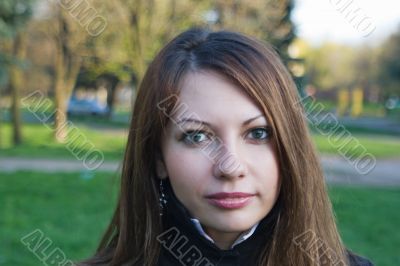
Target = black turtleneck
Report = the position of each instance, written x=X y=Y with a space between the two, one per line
x=182 y=244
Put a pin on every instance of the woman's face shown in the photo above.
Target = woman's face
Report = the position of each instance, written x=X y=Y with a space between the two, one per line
x=219 y=157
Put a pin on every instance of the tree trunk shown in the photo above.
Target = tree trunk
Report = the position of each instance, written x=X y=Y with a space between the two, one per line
x=16 y=81
x=65 y=81
x=67 y=68
x=60 y=118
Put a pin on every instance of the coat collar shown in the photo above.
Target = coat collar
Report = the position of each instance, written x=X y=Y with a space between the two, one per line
x=242 y=237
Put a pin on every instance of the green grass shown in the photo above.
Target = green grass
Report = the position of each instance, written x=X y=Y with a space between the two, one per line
x=378 y=145
x=73 y=211
x=369 y=221
x=38 y=141
x=69 y=209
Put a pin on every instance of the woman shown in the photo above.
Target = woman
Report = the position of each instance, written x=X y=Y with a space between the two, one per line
x=219 y=168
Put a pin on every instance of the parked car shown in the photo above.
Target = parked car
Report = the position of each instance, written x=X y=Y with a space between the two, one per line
x=86 y=107
x=392 y=103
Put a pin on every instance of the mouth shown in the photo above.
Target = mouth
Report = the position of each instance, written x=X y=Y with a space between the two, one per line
x=230 y=201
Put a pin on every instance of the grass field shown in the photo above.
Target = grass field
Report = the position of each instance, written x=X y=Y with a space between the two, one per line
x=38 y=142
x=369 y=221
x=69 y=209
x=73 y=210
x=378 y=145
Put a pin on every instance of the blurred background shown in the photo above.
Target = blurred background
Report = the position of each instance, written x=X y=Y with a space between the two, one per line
x=68 y=77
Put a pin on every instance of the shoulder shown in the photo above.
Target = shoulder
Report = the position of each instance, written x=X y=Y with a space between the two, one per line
x=356 y=260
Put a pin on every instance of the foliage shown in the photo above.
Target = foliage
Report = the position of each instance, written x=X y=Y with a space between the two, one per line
x=329 y=66
x=14 y=14
x=268 y=20
x=389 y=62
x=375 y=69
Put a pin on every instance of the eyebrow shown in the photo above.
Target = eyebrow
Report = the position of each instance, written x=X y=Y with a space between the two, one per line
x=248 y=121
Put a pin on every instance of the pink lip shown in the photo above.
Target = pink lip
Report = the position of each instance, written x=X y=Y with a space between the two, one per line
x=234 y=200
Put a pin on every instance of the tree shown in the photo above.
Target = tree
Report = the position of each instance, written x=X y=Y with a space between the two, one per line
x=16 y=81
x=13 y=17
x=66 y=28
x=147 y=25
x=389 y=62
x=331 y=66
x=136 y=30
x=67 y=65
x=366 y=71
x=268 y=20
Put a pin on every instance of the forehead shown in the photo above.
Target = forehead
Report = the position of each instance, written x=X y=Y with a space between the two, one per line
x=211 y=95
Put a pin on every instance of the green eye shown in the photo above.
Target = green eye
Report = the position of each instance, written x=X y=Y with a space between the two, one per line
x=260 y=133
x=194 y=137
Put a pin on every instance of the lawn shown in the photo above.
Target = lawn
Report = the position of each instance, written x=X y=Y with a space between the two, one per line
x=369 y=221
x=73 y=210
x=70 y=209
x=38 y=142
x=358 y=144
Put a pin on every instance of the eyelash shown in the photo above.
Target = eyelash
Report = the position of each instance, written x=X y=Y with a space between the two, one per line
x=191 y=133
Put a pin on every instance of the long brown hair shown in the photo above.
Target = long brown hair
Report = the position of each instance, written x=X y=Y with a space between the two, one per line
x=255 y=67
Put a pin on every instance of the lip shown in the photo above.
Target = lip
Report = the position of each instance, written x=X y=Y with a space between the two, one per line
x=233 y=200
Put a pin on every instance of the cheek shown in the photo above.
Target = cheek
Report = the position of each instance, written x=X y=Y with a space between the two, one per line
x=264 y=165
x=187 y=169
x=263 y=158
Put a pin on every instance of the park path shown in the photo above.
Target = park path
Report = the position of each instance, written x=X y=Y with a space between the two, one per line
x=340 y=171
x=337 y=170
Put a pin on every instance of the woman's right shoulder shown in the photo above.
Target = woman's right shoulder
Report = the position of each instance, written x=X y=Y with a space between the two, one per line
x=356 y=260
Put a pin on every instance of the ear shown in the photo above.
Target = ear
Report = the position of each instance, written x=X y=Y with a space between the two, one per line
x=160 y=167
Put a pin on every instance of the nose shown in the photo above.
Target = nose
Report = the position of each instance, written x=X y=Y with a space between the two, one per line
x=229 y=166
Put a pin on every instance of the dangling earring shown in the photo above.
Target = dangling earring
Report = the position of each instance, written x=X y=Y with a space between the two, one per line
x=163 y=198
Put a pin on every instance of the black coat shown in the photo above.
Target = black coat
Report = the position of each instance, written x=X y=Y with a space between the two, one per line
x=183 y=245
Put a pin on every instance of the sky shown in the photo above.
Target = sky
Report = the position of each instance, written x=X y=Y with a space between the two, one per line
x=346 y=21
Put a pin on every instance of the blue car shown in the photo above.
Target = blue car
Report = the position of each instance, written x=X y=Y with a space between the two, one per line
x=86 y=107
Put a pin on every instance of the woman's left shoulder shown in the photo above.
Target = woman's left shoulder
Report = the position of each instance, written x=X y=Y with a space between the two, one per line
x=356 y=260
